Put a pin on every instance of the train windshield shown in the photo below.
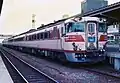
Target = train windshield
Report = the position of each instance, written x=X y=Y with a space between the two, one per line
x=75 y=27
x=102 y=27
x=91 y=27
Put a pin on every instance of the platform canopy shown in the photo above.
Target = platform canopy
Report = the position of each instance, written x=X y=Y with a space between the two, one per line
x=111 y=12
x=1 y=3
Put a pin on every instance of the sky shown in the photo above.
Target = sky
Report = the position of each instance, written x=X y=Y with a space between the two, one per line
x=16 y=15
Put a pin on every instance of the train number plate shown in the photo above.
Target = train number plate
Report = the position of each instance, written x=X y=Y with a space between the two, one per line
x=91 y=39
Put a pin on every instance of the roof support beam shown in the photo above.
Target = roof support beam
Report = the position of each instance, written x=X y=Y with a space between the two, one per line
x=110 y=17
x=1 y=3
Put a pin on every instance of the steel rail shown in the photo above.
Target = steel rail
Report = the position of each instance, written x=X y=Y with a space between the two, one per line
x=15 y=68
x=40 y=72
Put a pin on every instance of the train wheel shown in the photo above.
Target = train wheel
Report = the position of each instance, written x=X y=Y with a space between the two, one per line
x=62 y=58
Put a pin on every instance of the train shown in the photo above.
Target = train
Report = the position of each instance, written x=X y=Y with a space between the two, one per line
x=77 y=40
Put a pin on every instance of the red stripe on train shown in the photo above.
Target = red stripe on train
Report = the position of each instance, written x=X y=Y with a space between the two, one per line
x=74 y=38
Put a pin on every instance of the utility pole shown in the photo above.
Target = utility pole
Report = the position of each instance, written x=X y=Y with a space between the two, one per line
x=33 y=21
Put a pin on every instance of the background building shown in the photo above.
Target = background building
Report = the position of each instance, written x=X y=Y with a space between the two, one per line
x=89 y=5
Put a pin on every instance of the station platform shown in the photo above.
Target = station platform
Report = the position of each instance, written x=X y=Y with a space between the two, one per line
x=113 y=53
x=4 y=74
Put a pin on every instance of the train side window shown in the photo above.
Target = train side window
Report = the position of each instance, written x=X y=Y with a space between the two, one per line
x=34 y=37
x=15 y=40
x=30 y=38
x=18 y=39
x=37 y=36
x=41 y=36
x=21 y=39
x=46 y=35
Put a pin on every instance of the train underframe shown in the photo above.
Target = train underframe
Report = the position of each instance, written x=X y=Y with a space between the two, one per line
x=87 y=57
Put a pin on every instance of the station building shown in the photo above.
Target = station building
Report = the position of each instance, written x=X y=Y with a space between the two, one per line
x=90 y=5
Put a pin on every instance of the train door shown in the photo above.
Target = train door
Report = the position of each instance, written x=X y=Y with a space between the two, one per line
x=63 y=33
x=91 y=36
x=64 y=37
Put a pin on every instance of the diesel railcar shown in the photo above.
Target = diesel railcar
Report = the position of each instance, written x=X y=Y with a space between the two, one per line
x=73 y=40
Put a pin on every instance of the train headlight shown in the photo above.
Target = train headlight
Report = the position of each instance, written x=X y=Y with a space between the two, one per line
x=75 y=55
x=100 y=55
x=104 y=50
x=79 y=49
x=85 y=55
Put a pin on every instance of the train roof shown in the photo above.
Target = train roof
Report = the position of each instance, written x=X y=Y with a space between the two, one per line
x=41 y=27
x=52 y=24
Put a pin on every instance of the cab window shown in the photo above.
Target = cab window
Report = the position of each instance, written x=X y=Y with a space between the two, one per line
x=75 y=27
x=102 y=27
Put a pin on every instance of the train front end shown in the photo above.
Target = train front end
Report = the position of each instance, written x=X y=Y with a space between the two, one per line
x=84 y=40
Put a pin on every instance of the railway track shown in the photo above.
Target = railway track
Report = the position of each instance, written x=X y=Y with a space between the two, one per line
x=102 y=72
x=15 y=75
x=97 y=71
x=26 y=72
